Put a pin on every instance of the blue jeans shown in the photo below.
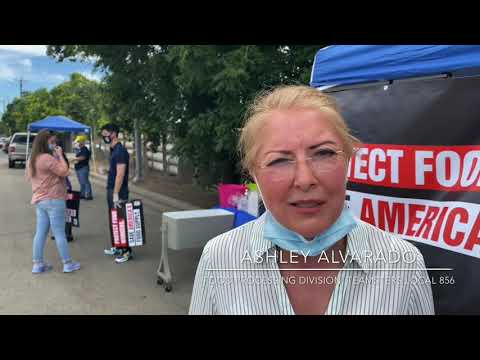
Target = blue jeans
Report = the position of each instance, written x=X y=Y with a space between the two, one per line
x=50 y=214
x=85 y=186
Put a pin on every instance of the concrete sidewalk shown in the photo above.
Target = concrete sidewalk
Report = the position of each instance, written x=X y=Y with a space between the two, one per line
x=154 y=199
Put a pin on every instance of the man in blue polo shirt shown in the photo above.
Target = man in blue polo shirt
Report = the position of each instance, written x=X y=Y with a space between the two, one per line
x=117 y=183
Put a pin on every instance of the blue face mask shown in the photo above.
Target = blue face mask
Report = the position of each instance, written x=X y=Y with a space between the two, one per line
x=51 y=147
x=289 y=240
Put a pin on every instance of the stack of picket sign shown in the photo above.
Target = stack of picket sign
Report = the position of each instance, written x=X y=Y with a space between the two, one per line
x=127 y=225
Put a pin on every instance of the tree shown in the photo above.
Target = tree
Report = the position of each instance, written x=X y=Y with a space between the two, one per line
x=131 y=84
x=217 y=83
x=78 y=98
x=195 y=95
x=4 y=130
x=29 y=108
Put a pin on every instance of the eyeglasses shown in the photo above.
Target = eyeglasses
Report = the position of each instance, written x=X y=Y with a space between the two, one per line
x=283 y=169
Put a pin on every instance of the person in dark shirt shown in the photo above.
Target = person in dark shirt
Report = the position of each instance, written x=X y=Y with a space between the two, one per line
x=82 y=168
x=117 y=182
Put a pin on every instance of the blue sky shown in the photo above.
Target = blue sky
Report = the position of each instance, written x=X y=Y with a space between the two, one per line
x=31 y=63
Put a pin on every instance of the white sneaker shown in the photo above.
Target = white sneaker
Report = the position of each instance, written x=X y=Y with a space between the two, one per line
x=124 y=257
x=112 y=251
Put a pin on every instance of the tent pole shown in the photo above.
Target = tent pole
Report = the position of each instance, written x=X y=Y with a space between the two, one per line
x=28 y=144
x=92 y=149
x=26 y=153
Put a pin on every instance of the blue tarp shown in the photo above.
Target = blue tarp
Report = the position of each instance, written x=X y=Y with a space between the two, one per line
x=59 y=123
x=356 y=64
x=241 y=217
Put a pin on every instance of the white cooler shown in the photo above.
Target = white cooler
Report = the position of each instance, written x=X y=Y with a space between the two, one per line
x=189 y=229
x=194 y=228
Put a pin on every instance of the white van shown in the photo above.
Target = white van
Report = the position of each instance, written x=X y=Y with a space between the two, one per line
x=18 y=148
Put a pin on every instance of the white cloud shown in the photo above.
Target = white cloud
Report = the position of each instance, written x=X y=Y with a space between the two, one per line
x=21 y=61
x=54 y=78
x=32 y=80
x=6 y=73
x=46 y=78
x=14 y=63
x=35 y=50
x=26 y=63
x=91 y=59
x=92 y=76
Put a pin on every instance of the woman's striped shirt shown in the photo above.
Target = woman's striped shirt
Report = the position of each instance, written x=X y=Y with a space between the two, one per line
x=228 y=282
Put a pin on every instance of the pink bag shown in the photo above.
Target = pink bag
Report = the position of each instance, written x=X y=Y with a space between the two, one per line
x=230 y=194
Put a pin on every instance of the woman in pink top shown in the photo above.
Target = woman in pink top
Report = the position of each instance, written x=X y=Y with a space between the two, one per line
x=47 y=175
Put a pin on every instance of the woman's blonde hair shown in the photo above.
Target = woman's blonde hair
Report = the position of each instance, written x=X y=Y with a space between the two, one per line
x=288 y=97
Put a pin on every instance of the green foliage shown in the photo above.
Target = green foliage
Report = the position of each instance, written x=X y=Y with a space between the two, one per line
x=4 y=130
x=195 y=94
x=79 y=98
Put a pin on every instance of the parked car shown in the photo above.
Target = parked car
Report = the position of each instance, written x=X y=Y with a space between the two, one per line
x=17 y=148
x=3 y=141
x=5 y=147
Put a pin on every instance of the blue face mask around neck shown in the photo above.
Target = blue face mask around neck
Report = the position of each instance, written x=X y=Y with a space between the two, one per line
x=289 y=240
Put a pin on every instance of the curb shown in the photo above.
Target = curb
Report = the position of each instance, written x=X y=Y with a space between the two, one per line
x=150 y=195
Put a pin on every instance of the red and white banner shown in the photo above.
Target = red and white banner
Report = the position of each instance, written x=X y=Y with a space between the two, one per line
x=127 y=225
x=445 y=168
x=450 y=225
x=114 y=226
x=418 y=174
x=130 y=224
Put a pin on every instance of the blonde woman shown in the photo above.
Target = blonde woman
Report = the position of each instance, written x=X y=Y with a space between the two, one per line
x=307 y=254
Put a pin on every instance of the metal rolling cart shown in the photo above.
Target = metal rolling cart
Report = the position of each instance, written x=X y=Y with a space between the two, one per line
x=188 y=230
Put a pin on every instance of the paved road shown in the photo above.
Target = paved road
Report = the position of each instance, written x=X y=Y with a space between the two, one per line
x=101 y=286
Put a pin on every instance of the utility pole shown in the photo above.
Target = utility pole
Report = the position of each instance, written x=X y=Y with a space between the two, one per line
x=5 y=102
x=21 y=81
x=138 y=153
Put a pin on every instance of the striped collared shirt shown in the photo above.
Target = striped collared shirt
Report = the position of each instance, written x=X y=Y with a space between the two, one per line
x=227 y=282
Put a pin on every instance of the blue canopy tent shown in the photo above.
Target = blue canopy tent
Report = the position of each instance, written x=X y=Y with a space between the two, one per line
x=60 y=123
x=340 y=65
